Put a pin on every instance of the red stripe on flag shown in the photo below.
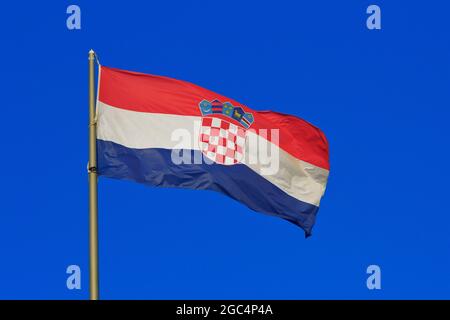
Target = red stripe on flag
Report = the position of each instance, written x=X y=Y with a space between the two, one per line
x=156 y=94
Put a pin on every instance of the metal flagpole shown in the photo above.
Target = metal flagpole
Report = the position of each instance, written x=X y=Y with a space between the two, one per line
x=92 y=171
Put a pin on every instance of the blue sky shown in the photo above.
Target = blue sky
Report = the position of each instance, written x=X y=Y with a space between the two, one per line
x=381 y=97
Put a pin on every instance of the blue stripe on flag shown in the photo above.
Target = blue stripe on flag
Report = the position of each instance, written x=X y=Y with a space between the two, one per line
x=155 y=167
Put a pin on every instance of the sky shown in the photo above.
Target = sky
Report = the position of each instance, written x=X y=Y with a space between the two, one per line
x=380 y=96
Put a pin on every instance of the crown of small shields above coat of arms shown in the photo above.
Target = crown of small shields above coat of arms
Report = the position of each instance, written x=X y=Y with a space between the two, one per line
x=228 y=110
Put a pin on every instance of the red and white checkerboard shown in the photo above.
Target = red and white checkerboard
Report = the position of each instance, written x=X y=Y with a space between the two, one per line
x=222 y=141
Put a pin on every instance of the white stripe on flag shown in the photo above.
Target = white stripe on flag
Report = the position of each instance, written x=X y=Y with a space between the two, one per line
x=139 y=130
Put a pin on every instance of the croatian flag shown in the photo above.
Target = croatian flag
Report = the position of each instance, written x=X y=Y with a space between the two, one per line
x=171 y=133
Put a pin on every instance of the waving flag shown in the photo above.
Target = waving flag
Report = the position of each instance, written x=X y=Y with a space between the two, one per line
x=171 y=133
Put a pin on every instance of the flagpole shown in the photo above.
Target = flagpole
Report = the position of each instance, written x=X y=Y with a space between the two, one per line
x=92 y=171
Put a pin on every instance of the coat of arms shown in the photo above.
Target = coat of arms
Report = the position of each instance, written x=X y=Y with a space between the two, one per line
x=223 y=131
